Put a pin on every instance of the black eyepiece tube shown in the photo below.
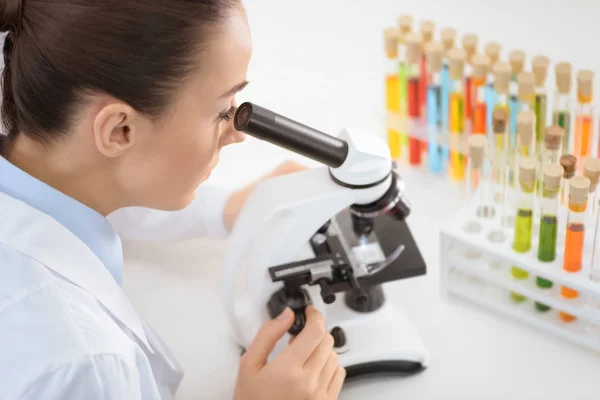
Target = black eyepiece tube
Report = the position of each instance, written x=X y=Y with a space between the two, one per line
x=283 y=132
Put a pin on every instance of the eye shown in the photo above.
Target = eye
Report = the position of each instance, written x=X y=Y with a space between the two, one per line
x=228 y=115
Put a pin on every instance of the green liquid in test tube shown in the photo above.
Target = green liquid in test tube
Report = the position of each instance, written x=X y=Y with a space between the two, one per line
x=552 y=177
x=524 y=217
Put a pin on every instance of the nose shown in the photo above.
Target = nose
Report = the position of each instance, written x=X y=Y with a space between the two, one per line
x=231 y=136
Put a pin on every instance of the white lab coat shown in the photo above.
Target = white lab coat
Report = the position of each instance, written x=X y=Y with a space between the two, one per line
x=67 y=330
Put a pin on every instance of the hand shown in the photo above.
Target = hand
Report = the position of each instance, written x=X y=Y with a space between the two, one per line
x=306 y=370
x=236 y=201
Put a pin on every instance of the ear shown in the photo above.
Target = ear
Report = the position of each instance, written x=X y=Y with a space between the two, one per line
x=114 y=129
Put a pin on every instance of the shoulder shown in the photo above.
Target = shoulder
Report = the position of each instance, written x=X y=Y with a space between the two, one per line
x=49 y=326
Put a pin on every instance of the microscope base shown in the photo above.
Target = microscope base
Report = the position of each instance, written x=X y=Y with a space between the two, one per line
x=379 y=342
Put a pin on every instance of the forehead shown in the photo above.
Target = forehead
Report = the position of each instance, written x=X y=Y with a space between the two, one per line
x=226 y=55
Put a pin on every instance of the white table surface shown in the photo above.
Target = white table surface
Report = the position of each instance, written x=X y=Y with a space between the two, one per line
x=329 y=80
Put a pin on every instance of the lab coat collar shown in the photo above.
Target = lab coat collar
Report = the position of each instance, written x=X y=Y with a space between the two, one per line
x=42 y=238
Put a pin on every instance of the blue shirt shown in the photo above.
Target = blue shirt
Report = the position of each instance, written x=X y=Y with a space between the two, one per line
x=89 y=226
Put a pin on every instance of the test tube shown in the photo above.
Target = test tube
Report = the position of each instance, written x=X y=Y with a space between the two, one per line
x=561 y=115
x=448 y=37
x=517 y=64
x=584 y=114
x=569 y=164
x=591 y=170
x=524 y=219
x=499 y=125
x=413 y=57
x=492 y=50
x=469 y=42
x=427 y=29
x=477 y=178
x=552 y=174
x=480 y=64
x=540 y=70
x=434 y=51
x=578 y=195
x=526 y=82
x=501 y=87
x=550 y=154
x=525 y=133
x=595 y=267
x=457 y=158
x=405 y=23
x=392 y=89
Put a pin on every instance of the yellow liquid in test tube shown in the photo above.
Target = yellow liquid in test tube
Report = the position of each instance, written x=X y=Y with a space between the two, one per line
x=457 y=159
x=393 y=106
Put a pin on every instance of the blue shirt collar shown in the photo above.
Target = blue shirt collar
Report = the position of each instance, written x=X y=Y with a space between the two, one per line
x=89 y=226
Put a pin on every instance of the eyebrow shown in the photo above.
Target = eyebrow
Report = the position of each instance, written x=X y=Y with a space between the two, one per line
x=237 y=88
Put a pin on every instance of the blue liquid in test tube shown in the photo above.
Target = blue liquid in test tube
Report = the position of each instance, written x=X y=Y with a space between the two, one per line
x=490 y=101
x=513 y=106
x=445 y=107
x=435 y=153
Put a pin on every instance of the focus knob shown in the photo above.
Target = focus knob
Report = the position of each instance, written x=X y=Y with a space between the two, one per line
x=339 y=337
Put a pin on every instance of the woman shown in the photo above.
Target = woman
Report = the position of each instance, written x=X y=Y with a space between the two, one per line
x=108 y=105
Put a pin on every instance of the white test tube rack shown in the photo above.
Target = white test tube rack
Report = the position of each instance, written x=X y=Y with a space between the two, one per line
x=477 y=269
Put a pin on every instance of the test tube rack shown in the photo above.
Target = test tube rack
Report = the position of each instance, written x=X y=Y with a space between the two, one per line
x=476 y=258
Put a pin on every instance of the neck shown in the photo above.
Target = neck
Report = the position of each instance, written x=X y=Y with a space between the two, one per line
x=67 y=169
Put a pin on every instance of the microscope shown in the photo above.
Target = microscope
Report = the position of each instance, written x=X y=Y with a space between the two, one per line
x=328 y=237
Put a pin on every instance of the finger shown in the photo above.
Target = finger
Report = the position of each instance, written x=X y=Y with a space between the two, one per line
x=309 y=338
x=335 y=387
x=329 y=370
x=267 y=337
x=317 y=360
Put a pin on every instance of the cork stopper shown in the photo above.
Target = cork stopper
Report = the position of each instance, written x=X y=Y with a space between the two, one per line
x=580 y=187
x=448 y=38
x=499 y=120
x=481 y=65
x=564 y=72
x=502 y=77
x=469 y=42
x=569 y=164
x=477 y=146
x=456 y=62
x=539 y=66
x=527 y=170
x=526 y=82
x=553 y=137
x=517 y=61
x=492 y=50
x=391 y=42
x=405 y=23
x=413 y=47
x=434 y=52
x=427 y=28
x=591 y=170
x=526 y=127
x=552 y=176
x=585 y=81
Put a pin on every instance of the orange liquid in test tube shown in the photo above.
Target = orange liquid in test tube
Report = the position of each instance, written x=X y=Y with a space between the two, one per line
x=393 y=105
x=583 y=131
x=573 y=255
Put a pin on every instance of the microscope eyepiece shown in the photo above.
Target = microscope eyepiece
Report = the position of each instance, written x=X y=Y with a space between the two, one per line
x=266 y=125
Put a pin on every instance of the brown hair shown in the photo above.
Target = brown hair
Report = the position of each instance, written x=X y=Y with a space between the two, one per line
x=56 y=51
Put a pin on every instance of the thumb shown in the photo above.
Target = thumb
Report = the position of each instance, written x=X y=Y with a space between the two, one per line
x=267 y=337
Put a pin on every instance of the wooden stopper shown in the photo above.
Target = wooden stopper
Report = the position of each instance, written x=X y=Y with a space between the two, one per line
x=481 y=66
x=517 y=61
x=569 y=164
x=526 y=127
x=553 y=137
x=492 y=50
x=405 y=23
x=413 y=47
x=539 y=66
x=527 y=170
x=434 y=52
x=591 y=170
x=477 y=146
x=502 y=77
x=552 y=176
x=427 y=28
x=526 y=82
x=499 y=120
x=469 y=43
x=564 y=76
x=585 y=83
x=580 y=187
x=448 y=38
x=456 y=62
x=391 y=42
